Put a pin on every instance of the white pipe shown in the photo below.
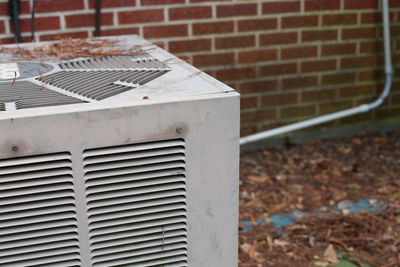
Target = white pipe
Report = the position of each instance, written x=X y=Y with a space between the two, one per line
x=348 y=112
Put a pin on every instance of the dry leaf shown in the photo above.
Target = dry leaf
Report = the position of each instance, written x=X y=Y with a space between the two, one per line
x=258 y=179
x=330 y=254
x=280 y=243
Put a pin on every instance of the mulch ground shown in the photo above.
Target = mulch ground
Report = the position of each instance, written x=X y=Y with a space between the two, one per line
x=317 y=176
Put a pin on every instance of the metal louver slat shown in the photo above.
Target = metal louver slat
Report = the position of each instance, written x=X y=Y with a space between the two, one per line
x=117 y=244
x=36 y=228
x=141 y=204
x=132 y=198
x=38 y=224
x=100 y=233
x=107 y=239
x=90 y=154
x=135 y=191
x=137 y=176
x=148 y=257
x=140 y=248
x=136 y=203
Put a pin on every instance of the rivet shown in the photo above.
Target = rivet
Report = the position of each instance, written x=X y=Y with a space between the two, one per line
x=179 y=130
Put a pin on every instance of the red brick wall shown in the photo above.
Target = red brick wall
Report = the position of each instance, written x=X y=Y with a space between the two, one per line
x=291 y=59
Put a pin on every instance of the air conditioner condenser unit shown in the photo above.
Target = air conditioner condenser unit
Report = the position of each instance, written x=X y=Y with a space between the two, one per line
x=126 y=160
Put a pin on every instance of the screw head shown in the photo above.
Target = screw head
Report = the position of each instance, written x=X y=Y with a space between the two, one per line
x=179 y=130
x=14 y=148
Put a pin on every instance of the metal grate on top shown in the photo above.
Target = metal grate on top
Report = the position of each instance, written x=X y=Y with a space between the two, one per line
x=136 y=201
x=141 y=61
x=38 y=225
x=24 y=94
x=100 y=84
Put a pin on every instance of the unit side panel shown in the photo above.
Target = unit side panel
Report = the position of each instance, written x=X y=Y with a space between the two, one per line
x=209 y=129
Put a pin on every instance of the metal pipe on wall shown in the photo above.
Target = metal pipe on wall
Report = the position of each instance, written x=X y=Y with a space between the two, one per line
x=97 y=18
x=14 y=14
x=348 y=112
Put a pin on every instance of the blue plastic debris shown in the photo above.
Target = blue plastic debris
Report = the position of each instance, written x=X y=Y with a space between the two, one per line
x=288 y=218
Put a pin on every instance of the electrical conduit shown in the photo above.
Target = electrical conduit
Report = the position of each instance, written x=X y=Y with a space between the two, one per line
x=348 y=112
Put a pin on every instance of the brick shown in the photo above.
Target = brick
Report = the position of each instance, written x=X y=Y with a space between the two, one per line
x=318 y=95
x=370 y=75
x=360 y=62
x=113 y=3
x=371 y=18
x=138 y=16
x=235 y=42
x=318 y=65
x=236 y=10
x=58 y=36
x=213 y=27
x=213 y=59
x=279 y=99
x=2 y=27
x=4 y=9
x=356 y=90
x=327 y=108
x=180 y=13
x=236 y=74
x=161 y=2
x=394 y=3
x=207 y=1
x=338 y=49
x=359 y=33
x=248 y=102
x=299 y=22
x=371 y=47
x=320 y=35
x=247 y=130
x=45 y=6
x=123 y=31
x=258 y=55
x=258 y=86
x=190 y=45
x=281 y=7
x=338 y=78
x=278 y=38
x=257 y=24
x=278 y=69
x=256 y=116
x=317 y=5
x=299 y=52
x=41 y=24
x=298 y=112
x=392 y=112
x=87 y=20
x=339 y=19
x=9 y=40
x=299 y=82
x=364 y=4
x=165 y=31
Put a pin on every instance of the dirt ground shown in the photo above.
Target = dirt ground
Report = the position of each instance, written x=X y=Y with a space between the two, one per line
x=316 y=177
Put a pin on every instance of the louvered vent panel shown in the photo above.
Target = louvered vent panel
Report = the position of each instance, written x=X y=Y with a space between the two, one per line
x=29 y=95
x=137 y=204
x=38 y=225
x=101 y=84
x=139 y=61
